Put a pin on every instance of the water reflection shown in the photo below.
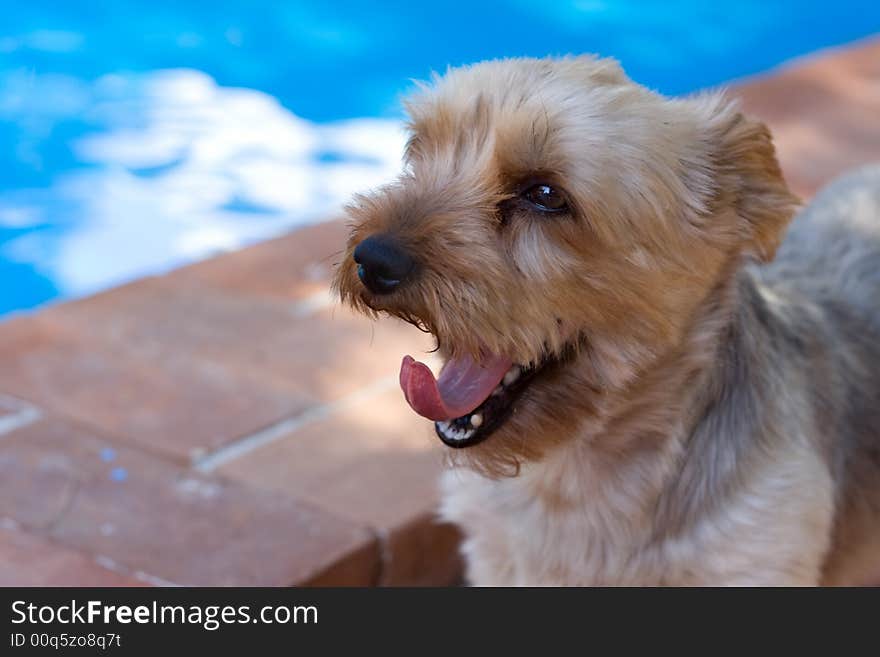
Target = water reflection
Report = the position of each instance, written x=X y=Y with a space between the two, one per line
x=168 y=167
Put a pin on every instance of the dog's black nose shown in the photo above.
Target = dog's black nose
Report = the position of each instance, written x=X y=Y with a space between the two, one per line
x=382 y=264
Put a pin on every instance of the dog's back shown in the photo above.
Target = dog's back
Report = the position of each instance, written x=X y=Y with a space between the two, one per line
x=832 y=251
x=830 y=263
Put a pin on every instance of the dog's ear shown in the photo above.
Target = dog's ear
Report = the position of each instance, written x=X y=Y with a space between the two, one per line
x=747 y=176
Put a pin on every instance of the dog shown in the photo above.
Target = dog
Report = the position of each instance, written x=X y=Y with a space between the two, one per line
x=643 y=383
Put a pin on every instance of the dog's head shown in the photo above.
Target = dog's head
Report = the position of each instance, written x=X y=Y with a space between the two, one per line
x=556 y=228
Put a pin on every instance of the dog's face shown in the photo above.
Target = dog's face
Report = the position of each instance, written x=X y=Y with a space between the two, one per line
x=556 y=228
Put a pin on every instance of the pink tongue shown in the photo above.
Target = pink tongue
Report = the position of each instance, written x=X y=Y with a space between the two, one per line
x=463 y=385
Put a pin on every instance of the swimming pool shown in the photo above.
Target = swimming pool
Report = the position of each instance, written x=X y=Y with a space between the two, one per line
x=136 y=136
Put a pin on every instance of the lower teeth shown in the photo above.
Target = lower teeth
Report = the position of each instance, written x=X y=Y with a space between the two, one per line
x=452 y=433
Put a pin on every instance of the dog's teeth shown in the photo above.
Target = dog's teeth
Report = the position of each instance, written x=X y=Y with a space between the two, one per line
x=512 y=375
x=497 y=391
x=453 y=432
x=476 y=420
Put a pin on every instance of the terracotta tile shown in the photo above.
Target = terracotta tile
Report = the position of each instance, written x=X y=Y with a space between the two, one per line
x=422 y=552
x=336 y=352
x=166 y=401
x=290 y=267
x=28 y=560
x=172 y=524
x=822 y=110
x=376 y=463
x=318 y=355
x=361 y=568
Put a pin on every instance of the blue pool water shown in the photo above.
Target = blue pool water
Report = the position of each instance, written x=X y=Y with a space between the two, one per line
x=139 y=135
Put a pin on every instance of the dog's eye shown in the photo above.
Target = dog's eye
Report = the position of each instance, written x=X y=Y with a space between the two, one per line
x=545 y=198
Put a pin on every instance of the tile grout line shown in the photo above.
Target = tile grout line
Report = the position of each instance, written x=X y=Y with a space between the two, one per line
x=280 y=429
x=116 y=567
x=10 y=524
x=25 y=414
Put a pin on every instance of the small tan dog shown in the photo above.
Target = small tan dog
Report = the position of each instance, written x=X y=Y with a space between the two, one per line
x=633 y=399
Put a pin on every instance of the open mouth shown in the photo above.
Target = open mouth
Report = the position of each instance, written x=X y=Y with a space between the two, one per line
x=480 y=423
x=469 y=401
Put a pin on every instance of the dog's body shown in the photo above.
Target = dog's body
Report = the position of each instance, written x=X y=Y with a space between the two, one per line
x=684 y=415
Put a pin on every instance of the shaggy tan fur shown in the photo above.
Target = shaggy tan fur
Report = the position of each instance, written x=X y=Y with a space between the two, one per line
x=706 y=420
